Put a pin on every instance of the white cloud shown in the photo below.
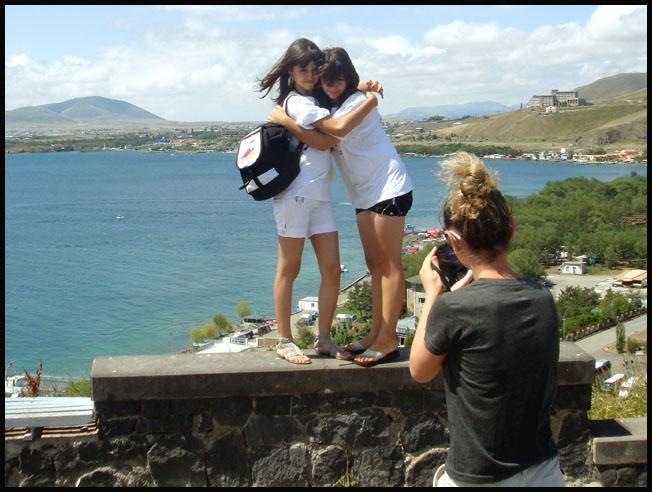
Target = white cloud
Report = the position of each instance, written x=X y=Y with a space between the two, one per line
x=18 y=60
x=459 y=33
x=201 y=68
x=621 y=22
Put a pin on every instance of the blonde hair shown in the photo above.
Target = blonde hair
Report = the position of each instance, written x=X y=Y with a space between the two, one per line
x=474 y=205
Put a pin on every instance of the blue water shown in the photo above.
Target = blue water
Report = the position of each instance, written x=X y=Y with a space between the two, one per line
x=81 y=282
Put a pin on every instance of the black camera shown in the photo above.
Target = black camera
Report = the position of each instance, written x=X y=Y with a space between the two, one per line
x=450 y=268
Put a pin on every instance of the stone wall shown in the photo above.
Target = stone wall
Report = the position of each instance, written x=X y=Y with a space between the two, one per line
x=253 y=419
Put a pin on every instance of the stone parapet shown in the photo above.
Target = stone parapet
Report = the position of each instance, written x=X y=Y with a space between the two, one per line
x=619 y=451
x=253 y=419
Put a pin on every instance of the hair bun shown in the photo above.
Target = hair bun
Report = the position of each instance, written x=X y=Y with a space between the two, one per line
x=470 y=183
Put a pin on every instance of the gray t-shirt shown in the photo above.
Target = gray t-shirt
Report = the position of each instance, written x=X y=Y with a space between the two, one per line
x=501 y=338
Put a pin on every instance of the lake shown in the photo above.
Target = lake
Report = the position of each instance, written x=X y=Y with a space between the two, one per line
x=121 y=253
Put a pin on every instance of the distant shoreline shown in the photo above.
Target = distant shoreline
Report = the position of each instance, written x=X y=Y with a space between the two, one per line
x=408 y=154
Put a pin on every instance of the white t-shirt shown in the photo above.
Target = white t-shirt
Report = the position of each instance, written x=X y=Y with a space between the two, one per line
x=313 y=180
x=370 y=167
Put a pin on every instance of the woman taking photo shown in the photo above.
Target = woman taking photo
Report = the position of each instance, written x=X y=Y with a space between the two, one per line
x=496 y=337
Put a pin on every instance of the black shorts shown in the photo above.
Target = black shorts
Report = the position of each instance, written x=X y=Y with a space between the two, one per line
x=397 y=206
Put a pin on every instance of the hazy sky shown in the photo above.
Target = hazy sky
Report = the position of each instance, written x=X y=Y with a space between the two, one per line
x=201 y=63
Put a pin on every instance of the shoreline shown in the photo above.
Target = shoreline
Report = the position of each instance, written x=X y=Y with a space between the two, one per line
x=422 y=156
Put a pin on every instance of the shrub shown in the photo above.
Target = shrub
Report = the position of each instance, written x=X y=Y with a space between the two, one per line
x=222 y=323
x=342 y=332
x=620 y=338
x=210 y=330
x=80 y=387
x=197 y=335
x=409 y=338
x=606 y=404
x=632 y=345
x=305 y=336
x=614 y=304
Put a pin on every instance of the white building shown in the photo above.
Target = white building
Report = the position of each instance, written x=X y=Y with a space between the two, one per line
x=573 y=267
x=404 y=327
x=309 y=304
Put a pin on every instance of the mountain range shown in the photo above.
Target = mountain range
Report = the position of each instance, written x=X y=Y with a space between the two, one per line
x=99 y=112
x=452 y=111
x=81 y=110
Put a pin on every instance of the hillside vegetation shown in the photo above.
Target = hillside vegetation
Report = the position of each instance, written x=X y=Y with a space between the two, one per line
x=586 y=216
x=613 y=86
x=615 y=124
x=615 y=118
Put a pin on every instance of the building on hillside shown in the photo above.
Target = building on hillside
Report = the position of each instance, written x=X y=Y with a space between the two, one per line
x=309 y=304
x=404 y=327
x=415 y=295
x=555 y=99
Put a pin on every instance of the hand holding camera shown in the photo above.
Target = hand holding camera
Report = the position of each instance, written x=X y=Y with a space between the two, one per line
x=449 y=268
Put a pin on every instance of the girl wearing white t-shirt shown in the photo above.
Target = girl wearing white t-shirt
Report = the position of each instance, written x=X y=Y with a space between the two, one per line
x=304 y=210
x=381 y=192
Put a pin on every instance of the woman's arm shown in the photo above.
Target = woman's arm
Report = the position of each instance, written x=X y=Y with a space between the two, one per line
x=312 y=138
x=342 y=125
x=424 y=365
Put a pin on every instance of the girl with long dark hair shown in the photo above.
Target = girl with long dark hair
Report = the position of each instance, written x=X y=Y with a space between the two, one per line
x=304 y=209
x=381 y=193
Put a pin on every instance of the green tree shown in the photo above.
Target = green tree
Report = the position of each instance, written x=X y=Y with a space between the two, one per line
x=359 y=299
x=573 y=301
x=620 y=338
x=614 y=304
x=526 y=263
x=412 y=262
x=242 y=310
x=222 y=323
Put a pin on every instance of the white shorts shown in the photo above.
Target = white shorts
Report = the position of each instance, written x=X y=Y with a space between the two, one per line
x=546 y=474
x=297 y=216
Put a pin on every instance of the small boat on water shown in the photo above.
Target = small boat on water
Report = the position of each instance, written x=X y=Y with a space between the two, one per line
x=344 y=268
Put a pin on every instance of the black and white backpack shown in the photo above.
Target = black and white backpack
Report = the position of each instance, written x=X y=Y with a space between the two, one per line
x=266 y=161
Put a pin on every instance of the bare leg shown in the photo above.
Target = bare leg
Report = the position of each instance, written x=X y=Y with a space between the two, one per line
x=370 y=246
x=328 y=256
x=387 y=235
x=326 y=248
x=287 y=269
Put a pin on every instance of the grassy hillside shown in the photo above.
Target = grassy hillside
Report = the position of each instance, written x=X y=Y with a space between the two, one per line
x=614 y=124
x=614 y=86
